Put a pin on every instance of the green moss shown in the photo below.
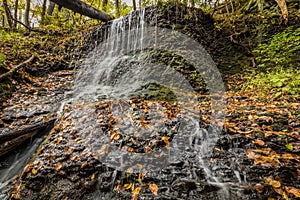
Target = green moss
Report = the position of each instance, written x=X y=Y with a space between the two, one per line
x=154 y=91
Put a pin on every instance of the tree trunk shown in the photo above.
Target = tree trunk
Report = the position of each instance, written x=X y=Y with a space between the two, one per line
x=43 y=10
x=3 y=21
x=26 y=14
x=16 y=13
x=8 y=14
x=134 y=4
x=83 y=8
x=117 y=8
x=51 y=8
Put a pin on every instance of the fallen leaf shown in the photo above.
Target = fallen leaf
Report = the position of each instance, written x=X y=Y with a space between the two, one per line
x=127 y=186
x=93 y=176
x=259 y=187
x=58 y=166
x=259 y=142
x=34 y=171
x=153 y=188
x=83 y=165
x=135 y=193
x=292 y=190
x=166 y=140
x=272 y=182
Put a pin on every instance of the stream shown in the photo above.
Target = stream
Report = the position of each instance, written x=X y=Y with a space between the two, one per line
x=131 y=126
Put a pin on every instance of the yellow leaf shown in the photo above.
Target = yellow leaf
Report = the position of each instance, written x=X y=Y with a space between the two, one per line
x=58 y=140
x=153 y=188
x=83 y=165
x=279 y=191
x=34 y=171
x=141 y=176
x=127 y=186
x=166 y=140
x=293 y=191
x=272 y=182
x=275 y=184
x=93 y=177
x=135 y=193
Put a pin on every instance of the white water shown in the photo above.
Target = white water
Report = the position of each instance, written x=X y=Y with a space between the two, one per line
x=16 y=164
x=101 y=75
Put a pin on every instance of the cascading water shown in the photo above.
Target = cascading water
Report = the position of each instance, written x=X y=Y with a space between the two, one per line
x=118 y=69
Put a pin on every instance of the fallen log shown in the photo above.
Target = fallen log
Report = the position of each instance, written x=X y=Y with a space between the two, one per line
x=10 y=135
x=84 y=9
x=8 y=146
x=10 y=72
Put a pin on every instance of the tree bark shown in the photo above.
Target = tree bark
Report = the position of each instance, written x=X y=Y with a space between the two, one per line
x=117 y=8
x=16 y=12
x=8 y=14
x=51 y=8
x=26 y=14
x=83 y=8
x=28 y=129
x=11 y=140
x=134 y=4
x=43 y=10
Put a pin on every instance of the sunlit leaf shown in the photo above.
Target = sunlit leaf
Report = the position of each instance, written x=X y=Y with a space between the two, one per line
x=259 y=187
x=58 y=166
x=128 y=186
x=34 y=171
x=83 y=165
x=93 y=176
x=153 y=188
x=272 y=182
x=292 y=190
x=259 y=142
x=135 y=193
x=289 y=146
x=166 y=140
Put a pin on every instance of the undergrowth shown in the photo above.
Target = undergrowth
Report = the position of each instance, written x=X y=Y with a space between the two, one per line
x=277 y=72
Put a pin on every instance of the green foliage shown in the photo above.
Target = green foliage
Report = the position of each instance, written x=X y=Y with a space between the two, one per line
x=277 y=71
x=124 y=9
x=279 y=82
x=280 y=51
x=2 y=59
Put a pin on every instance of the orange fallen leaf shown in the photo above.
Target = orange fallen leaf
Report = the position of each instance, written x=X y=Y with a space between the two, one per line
x=83 y=165
x=272 y=182
x=166 y=140
x=153 y=188
x=293 y=191
x=259 y=142
x=58 y=166
x=259 y=187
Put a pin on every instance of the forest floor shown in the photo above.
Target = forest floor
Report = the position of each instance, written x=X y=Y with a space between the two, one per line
x=261 y=134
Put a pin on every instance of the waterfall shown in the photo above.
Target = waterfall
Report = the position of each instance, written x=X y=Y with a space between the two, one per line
x=119 y=66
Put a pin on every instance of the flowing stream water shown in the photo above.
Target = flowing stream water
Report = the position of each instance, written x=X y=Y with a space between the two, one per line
x=118 y=68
